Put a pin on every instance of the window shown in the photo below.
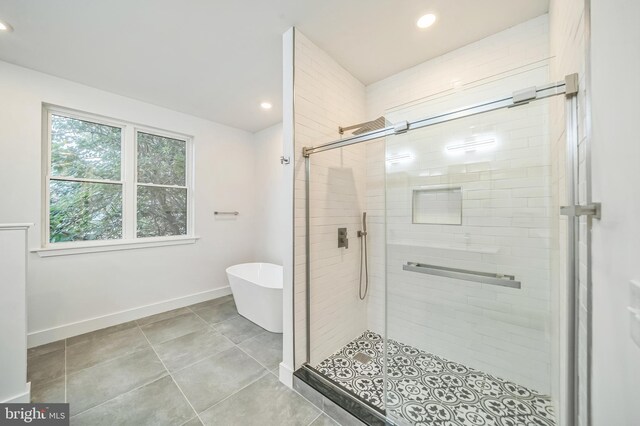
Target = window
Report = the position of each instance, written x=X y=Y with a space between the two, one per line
x=162 y=190
x=85 y=184
x=109 y=181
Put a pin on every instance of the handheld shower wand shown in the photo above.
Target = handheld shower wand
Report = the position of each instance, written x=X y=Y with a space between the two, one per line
x=364 y=266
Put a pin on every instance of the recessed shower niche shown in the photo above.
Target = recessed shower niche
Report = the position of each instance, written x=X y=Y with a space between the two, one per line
x=437 y=205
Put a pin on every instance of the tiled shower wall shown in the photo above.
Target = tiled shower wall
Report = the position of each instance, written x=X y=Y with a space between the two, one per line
x=507 y=61
x=327 y=96
x=522 y=48
x=505 y=225
x=338 y=180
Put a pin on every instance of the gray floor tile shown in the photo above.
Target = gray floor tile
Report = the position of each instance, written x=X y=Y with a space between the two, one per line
x=238 y=329
x=324 y=420
x=266 y=348
x=170 y=328
x=162 y=316
x=214 y=314
x=51 y=391
x=100 y=333
x=46 y=367
x=193 y=422
x=213 y=379
x=94 y=351
x=45 y=349
x=158 y=403
x=213 y=302
x=190 y=348
x=95 y=385
x=263 y=403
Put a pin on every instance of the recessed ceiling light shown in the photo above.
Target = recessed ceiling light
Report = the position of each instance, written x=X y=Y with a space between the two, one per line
x=426 y=20
x=5 y=27
x=266 y=105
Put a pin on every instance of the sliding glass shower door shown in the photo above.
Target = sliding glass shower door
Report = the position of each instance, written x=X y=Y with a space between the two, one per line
x=468 y=213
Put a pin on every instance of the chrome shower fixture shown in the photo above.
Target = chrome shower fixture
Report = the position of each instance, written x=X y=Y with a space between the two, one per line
x=363 y=285
x=368 y=126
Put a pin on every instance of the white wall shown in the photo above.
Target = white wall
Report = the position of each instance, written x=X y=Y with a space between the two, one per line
x=615 y=90
x=288 y=184
x=519 y=46
x=73 y=294
x=327 y=96
x=270 y=217
x=13 y=314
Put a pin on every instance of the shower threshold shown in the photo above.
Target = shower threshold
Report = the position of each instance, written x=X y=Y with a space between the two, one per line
x=424 y=389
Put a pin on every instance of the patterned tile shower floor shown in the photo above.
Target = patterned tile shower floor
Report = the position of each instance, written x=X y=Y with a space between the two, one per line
x=424 y=389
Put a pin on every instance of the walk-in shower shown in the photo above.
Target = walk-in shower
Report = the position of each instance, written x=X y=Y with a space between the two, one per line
x=458 y=226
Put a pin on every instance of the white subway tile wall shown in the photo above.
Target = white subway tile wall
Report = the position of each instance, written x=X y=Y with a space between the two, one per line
x=506 y=207
x=437 y=205
x=505 y=230
x=511 y=60
x=327 y=96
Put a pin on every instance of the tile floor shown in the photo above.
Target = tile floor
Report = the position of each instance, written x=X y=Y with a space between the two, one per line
x=203 y=364
x=424 y=389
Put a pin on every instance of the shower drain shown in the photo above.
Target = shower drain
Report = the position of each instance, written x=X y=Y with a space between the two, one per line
x=362 y=358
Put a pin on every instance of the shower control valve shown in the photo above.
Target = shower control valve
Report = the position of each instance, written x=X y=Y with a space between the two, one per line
x=343 y=241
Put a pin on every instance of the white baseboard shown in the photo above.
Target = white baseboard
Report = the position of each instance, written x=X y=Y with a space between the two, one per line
x=41 y=337
x=23 y=398
x=286 y=375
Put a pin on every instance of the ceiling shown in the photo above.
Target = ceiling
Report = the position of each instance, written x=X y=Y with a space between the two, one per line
x=218 y=59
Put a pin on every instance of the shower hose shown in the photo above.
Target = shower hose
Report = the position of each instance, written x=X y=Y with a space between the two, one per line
x=364 y=266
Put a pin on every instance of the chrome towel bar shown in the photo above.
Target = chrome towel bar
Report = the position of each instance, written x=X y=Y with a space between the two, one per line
x=226 y=213
x=463 y=274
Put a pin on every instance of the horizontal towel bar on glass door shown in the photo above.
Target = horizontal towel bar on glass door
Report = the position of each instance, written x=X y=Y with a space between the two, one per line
x=223 y=213
x=463 y=274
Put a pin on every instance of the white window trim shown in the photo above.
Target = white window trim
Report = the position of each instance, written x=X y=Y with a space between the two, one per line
x=129 y=182
x=69 y=248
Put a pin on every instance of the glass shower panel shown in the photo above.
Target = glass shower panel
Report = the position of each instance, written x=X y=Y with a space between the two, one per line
x=337 y=183
x=468 y=281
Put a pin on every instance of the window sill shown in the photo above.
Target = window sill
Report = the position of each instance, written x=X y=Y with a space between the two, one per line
x=102 y=246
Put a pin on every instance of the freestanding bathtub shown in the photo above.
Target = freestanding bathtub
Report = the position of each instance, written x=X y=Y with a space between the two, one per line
x=257 y=290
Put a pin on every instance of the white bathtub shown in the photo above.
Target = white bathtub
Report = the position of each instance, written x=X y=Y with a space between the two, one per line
x=257 y=290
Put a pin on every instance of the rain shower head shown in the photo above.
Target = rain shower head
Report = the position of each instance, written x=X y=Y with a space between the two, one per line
x=369 y=126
